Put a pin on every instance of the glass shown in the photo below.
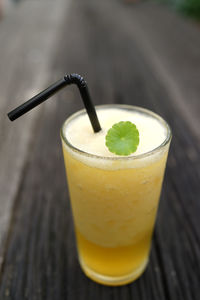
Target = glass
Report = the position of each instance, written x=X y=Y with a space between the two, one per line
x=114 y=203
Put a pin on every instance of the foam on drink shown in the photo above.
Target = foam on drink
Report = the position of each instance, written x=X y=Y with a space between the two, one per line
x=152 y=132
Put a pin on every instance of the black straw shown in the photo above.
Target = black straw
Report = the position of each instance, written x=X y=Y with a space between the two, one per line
x=54 y=88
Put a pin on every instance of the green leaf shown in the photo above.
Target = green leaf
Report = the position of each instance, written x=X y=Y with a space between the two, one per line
x=122 y=138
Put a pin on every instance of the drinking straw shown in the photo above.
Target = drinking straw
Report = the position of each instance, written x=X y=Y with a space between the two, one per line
x=54 y=88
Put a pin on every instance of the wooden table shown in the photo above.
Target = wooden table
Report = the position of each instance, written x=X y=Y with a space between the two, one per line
x=139 y=54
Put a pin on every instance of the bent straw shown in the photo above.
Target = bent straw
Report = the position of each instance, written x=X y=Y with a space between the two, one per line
x=54 y=88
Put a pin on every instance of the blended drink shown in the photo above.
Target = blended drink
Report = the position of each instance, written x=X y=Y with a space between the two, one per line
x=114 y=198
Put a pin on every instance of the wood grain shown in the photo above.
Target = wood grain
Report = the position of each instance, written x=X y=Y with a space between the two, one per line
x=27 y=40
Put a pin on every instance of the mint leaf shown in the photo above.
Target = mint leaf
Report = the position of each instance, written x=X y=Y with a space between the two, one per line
x=122 y=138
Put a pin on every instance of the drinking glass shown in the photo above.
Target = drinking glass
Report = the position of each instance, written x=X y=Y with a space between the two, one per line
x=114 y=203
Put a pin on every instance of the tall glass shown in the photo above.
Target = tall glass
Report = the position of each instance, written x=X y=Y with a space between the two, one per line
x=114 y=202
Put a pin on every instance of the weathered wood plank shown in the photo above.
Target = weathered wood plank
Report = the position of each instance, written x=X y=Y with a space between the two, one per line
x=41 y=261
x=27 y=39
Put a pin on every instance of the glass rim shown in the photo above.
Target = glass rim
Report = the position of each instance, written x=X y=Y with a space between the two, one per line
x=112 y=158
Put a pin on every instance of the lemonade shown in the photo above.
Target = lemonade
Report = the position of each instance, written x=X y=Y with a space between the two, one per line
x=114 y=199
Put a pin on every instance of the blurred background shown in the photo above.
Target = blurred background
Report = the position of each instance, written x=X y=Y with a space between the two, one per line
x=138 y=52
x=187 y=7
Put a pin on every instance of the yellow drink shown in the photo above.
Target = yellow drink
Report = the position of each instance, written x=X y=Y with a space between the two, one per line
x=114 y=203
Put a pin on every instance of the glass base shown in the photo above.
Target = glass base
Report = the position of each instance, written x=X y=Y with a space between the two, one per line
x=110 y=280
